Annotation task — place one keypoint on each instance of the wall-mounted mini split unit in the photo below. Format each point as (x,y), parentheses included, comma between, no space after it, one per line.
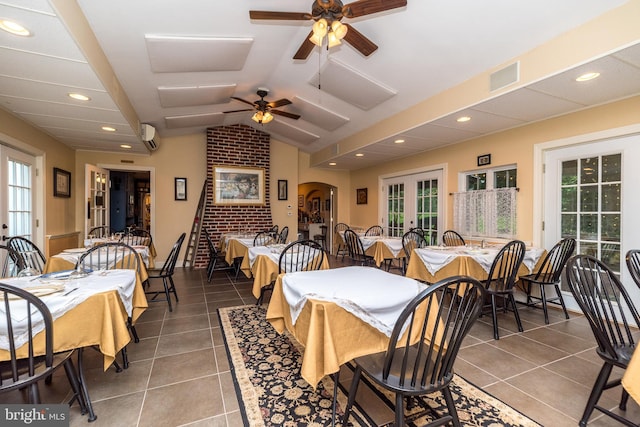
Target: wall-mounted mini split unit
(147,132)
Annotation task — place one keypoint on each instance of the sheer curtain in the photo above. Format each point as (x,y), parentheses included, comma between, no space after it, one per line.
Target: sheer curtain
(485,213)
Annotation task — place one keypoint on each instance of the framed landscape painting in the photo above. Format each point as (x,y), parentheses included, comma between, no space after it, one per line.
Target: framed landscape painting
(238,186)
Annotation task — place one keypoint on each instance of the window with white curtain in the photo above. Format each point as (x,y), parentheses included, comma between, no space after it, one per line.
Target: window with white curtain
(488,206)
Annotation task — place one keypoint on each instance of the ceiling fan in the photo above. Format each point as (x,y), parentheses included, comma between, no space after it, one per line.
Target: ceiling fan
(332,11)
(265,110)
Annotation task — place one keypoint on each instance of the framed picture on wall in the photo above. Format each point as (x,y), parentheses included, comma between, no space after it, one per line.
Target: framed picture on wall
(301,201)
(180,189)
(61,183)
(283,190)
(238,186)
(315,204)
(361,196)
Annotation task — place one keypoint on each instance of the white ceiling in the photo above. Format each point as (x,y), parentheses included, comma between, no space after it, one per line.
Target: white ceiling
(179,62)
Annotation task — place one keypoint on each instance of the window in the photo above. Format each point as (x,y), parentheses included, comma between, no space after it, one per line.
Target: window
(487,207)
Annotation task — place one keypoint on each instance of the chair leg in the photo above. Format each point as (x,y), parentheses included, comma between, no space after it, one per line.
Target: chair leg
(167,293)
(494,316)
(173,288)
(353,389)
(596,392)
(543,299)
(512,300)
(451,406)
(564,307)
(259,302)
(83,387)
(399,412)
(72,376)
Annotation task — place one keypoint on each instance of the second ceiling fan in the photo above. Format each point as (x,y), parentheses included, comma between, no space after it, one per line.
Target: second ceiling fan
(328,14)
(265,110)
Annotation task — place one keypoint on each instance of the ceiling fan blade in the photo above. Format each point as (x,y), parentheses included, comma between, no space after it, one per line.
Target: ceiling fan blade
(367,7)
(279,103)
(305,48)
(280,16)
(238,111)
(285,114)
(360,42)
(243,100)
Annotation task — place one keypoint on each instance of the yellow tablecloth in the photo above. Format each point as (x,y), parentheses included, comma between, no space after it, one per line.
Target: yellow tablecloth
(331,335)
(100,320)
(461,265)
(380,251)
(265,271)
(55,263)
(631,378)
(234,249)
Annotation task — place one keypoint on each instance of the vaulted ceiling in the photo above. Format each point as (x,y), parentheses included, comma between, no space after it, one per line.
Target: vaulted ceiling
(178,65)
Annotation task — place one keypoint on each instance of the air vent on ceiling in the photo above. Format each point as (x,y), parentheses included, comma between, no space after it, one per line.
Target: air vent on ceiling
(508,75)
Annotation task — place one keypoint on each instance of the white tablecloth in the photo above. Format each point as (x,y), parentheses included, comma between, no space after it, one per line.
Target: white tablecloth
(73,255)
(371,294)
(59,303)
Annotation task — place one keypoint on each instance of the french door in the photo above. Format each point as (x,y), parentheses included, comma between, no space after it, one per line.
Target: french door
(589,193)
(17,195)
(413,201)
(97,197)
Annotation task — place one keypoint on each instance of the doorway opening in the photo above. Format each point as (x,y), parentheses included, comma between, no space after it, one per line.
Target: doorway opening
(130,196)
(317,207)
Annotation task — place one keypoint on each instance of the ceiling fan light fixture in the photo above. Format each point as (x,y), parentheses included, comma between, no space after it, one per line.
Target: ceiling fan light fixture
(262,117)
(333,39)
(316,39)
(338,29)
(320,27)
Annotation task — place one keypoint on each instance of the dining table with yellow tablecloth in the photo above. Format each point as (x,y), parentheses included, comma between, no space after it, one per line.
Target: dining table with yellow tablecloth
(335,316)
(90,311)
(235,246)
(383,248)
(435,263)
(631,377)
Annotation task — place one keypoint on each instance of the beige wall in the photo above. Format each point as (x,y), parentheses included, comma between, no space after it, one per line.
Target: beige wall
(284,165)
(514,146)
(183,157)
(58,214)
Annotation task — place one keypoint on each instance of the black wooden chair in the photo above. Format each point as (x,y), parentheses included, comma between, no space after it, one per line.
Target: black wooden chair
(283,235)
(338,231)
(356,250)
(137,237)
(322,237)
(166,275)
(32,257)
(264,238)
(411,240)
(374,230)
(12,263)
(301,255)
(110,256)
(101,231)
(633,264)
(452,238)
(549,275)
(603,300)
(425,367)
(501,280)
(216,259)
(24,373)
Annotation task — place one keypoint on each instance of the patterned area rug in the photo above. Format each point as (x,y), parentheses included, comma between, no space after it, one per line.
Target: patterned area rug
(266,371)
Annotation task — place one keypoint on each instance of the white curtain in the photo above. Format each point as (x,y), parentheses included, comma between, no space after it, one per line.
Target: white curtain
(485,213)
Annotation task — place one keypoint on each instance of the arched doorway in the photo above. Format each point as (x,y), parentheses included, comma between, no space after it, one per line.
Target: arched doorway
(317,206)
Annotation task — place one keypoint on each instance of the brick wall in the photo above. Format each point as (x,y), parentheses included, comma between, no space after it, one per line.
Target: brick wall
(241,146)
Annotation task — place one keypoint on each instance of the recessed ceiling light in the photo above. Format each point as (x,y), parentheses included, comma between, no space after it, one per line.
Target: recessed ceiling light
(398,141)
(79,97)
(587,76)
(463,119)
(14,28)
(108,128)
(359,155)
(125,146)
(332,163)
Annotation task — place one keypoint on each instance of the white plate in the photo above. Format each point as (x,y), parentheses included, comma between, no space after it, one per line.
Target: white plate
(476,252)
(75,250)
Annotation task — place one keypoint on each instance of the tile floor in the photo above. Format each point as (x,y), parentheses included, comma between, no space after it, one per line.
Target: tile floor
(179,374)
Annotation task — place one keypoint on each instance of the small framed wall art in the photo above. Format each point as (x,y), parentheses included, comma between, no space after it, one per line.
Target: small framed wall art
(361,196)
(181,188)
(61,183)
